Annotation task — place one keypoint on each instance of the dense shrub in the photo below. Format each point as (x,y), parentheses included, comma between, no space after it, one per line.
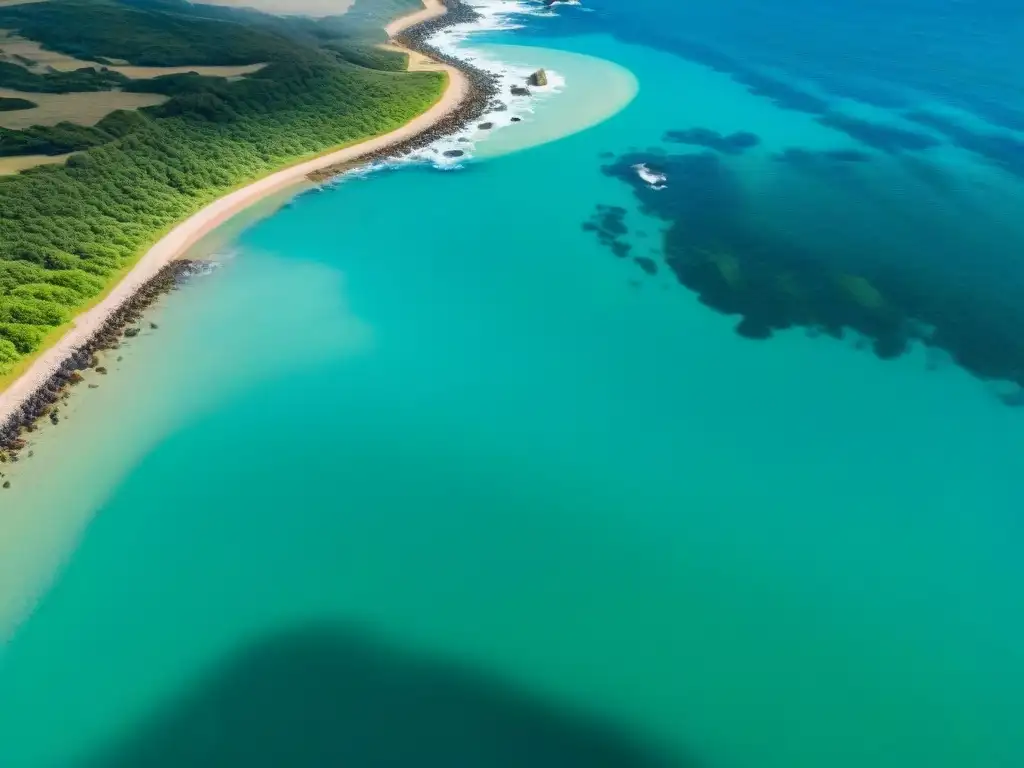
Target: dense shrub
(12,105)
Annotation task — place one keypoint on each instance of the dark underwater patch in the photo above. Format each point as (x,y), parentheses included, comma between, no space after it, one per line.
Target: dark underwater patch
(875,94)
(846,155)
(886,138)
(716,248)
(729,144)
(803,158)
(331,697)
(781,94)
(608,223)
(647,264)
(1003,150)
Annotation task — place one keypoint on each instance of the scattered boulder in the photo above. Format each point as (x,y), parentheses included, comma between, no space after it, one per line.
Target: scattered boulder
(517,119)
(454,153)
(538,79)
(518,90)
(154,326)
(485,126)
(7,483)
(101,370)
(131,332)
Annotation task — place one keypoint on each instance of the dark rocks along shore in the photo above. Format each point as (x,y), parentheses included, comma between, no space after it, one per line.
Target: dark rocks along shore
(44,401)
(483,91)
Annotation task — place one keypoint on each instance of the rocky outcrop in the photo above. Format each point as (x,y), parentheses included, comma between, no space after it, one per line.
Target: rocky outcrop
(519,90)
(483,90)
(538,79)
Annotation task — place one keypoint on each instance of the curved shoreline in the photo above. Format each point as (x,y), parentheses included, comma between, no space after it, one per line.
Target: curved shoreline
(27,397)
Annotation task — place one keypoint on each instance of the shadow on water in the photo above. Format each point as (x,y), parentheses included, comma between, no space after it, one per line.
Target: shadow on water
(330,696)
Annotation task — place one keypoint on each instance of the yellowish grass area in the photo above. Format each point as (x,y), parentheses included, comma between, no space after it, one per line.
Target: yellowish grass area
(415,61)
(19,50)
(79,108)
(16,49)
(139,73)
(290,7)
(12,165)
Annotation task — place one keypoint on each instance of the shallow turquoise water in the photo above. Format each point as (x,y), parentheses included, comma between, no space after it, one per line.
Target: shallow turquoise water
(428,409)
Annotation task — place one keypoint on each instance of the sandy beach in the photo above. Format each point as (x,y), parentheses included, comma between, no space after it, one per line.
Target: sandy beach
(177,242)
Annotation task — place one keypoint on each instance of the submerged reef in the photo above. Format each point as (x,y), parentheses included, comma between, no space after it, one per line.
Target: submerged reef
(609,226)
(718,246)
(801,157)
(729,144)
(886,138)
(1001,149)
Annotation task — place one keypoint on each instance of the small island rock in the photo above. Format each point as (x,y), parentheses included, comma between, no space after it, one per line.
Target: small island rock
(538,78)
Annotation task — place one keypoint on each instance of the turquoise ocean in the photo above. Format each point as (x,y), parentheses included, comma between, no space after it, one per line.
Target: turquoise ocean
(423,473)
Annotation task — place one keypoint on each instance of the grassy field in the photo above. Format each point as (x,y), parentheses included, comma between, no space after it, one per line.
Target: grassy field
(19,163)
(34,57)
(78,108)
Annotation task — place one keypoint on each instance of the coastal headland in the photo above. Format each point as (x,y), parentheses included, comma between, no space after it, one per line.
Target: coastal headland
(467,94)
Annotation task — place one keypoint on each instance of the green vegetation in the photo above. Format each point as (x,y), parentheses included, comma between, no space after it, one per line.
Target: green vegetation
(68,137)
(68,231)
(81,80)
(12,105)
(370,56)
(366,20)
(88,29)
(50,140)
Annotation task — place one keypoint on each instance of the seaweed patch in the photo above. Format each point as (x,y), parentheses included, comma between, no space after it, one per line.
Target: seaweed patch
(729,144)
(608,223)
(886,138)
(1003,150)
(717,246)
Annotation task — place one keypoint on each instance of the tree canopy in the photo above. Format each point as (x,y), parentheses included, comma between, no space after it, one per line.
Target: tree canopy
(67,231)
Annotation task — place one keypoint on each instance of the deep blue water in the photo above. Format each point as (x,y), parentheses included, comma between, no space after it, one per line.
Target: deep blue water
(966,51)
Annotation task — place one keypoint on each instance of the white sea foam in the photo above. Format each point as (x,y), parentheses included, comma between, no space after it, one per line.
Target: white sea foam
(456,41)
(652,179)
